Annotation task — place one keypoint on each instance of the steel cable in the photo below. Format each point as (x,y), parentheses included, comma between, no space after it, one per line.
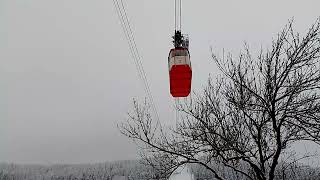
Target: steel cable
(125,23)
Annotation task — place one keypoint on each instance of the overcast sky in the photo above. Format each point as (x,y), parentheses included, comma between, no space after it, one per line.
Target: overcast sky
(67,77)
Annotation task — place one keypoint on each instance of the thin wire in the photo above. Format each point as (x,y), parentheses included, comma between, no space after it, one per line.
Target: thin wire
(175,15)
(140,66)
(125,23)
(176,104)
(180,14)
(144,76)
(120,15)
(128,37)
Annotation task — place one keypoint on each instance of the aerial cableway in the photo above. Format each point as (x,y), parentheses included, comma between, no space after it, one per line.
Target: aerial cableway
(179,64)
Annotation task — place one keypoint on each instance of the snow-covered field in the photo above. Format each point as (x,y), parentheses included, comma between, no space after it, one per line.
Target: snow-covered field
(120,170)
(182,173)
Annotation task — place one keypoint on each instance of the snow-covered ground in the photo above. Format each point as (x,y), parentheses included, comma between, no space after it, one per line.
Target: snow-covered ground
(182,173)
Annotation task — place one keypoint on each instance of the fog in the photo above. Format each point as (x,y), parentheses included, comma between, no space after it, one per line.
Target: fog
(67,77)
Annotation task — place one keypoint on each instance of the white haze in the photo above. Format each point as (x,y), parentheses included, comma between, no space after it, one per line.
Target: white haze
(67,77)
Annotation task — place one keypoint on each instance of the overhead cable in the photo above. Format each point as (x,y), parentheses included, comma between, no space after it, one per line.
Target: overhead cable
(125,23)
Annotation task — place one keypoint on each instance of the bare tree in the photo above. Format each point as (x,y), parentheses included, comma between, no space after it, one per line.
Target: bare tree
(247,119)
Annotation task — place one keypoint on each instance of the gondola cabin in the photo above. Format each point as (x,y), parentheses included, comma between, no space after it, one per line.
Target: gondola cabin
(180,72)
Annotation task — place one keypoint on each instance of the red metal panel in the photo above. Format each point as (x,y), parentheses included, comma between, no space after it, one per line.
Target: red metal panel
(180,80)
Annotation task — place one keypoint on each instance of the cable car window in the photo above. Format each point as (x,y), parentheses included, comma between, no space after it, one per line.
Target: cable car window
(172,54)
(181,53)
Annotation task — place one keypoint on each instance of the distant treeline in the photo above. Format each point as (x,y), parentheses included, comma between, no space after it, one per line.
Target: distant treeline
(130,170)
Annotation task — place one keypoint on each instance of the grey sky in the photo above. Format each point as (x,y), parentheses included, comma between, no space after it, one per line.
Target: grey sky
(67,78)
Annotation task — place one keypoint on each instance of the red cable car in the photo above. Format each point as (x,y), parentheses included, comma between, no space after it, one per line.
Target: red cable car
(179,63)
(180,72)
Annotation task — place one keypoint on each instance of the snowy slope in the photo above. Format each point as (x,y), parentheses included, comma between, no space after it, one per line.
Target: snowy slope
(182,173)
